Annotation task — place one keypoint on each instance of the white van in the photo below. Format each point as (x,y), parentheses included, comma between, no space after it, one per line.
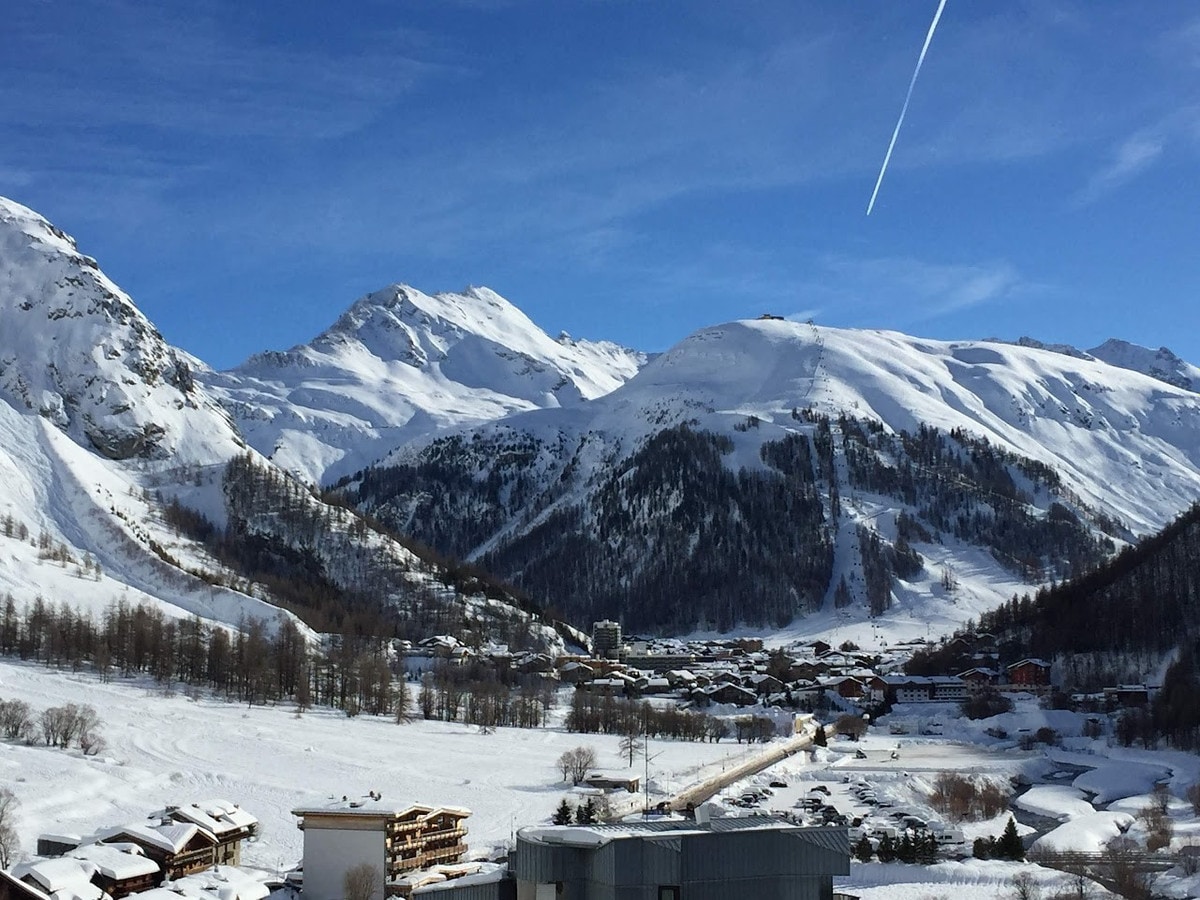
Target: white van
(944,834)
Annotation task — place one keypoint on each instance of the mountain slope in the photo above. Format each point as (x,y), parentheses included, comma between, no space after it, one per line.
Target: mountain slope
(886,442)
(119,468)
(1161,364)
(78,352)
(400,364)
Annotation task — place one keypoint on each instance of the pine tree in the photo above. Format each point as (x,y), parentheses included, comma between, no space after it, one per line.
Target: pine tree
(907,851)
(563,815)
(887,849)
(585,813)
(819,738)
(863,851)
(927,850)
(1009,846)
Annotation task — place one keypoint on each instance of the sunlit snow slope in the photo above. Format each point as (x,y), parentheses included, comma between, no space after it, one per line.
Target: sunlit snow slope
(97,413)
(576,483)
(102,425)
(1125,442)
(400,364)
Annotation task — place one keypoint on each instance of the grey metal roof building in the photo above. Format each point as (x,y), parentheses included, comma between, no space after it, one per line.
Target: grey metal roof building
(759,857)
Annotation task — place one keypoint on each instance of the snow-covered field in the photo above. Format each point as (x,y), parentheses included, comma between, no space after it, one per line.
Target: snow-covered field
(171,749)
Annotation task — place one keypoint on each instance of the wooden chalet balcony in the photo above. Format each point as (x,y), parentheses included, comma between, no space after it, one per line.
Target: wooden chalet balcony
(436,855)
(399,828)
(445,834)
(190,862)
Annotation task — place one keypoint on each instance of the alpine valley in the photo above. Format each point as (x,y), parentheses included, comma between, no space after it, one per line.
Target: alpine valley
(428,451)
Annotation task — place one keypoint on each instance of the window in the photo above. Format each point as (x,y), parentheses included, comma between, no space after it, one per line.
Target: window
(668,892)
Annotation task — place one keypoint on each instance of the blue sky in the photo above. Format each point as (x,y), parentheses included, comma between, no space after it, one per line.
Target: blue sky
(629,170)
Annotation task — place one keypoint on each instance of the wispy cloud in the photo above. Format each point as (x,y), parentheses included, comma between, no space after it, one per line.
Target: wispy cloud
(1128,160)
(186,70)
(903,290)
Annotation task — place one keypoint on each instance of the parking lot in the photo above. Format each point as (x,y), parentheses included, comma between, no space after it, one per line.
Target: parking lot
(875,787)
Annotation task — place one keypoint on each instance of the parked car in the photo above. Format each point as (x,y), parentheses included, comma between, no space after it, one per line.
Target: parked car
(780,784)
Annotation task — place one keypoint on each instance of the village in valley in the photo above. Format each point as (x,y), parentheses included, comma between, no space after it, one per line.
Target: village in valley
(791,762)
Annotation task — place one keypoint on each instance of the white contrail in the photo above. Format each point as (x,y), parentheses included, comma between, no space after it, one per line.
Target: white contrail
(917,71)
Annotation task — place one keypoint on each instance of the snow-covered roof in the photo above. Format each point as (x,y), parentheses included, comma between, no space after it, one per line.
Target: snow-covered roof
(20,888)
(436,875)
(486,873)
(216,816)
(113,862)
(169,838)
(221,883)
(375,806)
(65,876)
(599,835)
(61,837)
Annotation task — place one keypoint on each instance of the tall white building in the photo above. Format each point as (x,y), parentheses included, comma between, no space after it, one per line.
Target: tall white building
(606,639)
(392,838)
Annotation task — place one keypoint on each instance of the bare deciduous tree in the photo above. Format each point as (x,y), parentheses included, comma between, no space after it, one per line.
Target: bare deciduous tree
(362,882)
(631,745)
(1025,888)
(16,720)
(1193,797)
(1127,879)
(851,725)
(9,843)
(575,764)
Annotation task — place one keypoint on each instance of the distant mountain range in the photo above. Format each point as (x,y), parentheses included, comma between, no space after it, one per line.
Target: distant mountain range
(765,469)
(120,467)
(1161,364)
(756,472)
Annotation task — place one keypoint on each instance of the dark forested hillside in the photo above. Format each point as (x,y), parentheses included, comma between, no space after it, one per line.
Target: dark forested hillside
(674,535)
(1145,600)
(1119,623)
(674,539)
(342,573)
(944,477)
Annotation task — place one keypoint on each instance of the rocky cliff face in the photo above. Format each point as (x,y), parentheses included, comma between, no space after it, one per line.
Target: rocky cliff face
(76,350)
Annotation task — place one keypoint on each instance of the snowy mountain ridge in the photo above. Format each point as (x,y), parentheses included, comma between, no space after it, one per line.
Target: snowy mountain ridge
(104,427)
(1162,363)
(531,441)
(1066,440)
(78,352)
(400,363)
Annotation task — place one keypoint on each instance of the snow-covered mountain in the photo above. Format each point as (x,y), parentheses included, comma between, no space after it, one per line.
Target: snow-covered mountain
(77,351)
(104,433)
(757,471)
(878,428)
(1162,363)
(400,364)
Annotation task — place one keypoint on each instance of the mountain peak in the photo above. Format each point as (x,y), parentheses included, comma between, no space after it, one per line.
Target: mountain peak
(76,349)
(1162,363)
(400,363)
